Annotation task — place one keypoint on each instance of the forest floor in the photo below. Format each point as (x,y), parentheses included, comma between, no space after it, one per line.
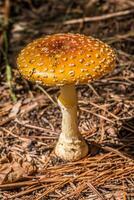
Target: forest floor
(30,120)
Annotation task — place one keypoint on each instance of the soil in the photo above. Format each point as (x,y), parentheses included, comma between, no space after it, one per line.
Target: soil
(30,119)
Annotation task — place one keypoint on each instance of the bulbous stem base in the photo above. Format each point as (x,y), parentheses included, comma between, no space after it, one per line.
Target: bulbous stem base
(71,150)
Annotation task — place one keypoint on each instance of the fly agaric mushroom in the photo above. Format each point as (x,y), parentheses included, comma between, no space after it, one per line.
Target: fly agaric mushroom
(66,60)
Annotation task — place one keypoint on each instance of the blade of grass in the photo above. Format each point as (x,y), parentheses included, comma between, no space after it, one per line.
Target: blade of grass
(8,68)
(4,44)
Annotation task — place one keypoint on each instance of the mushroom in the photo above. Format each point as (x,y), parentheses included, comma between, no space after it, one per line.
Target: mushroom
(67,60)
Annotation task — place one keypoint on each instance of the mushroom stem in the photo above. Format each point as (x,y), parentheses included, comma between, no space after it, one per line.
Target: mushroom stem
(71,146)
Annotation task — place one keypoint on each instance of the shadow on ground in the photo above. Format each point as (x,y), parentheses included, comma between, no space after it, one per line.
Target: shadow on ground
(126,137)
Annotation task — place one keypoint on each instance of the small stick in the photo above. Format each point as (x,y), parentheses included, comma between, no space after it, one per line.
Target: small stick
(51,189)
(14,135)
(46,93)
(34,127)
(98,115)
(99,18)
(95,190)
(26,192)
(92,88)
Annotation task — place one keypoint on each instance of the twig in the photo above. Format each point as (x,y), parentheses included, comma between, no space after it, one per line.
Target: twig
(25,192)
(75,192)
(102,131)
(95,190)
(17,185)
(34,127)
(100,107)
(98,115)
(116,151)
(115,38)
(99,18)
(92,88)
(46,93)
(51,189)
(14,135)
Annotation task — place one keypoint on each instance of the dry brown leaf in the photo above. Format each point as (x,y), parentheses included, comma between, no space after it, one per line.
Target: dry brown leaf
(12,172)
(15,109)
(5,169)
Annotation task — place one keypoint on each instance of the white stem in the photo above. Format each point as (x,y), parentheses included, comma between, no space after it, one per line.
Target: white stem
(71,145)
(68,104)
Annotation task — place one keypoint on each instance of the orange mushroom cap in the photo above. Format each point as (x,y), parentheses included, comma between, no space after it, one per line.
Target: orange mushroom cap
(61,59)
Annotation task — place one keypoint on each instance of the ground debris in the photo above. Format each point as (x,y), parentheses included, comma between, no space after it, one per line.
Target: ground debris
(15,170)
(30,127)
